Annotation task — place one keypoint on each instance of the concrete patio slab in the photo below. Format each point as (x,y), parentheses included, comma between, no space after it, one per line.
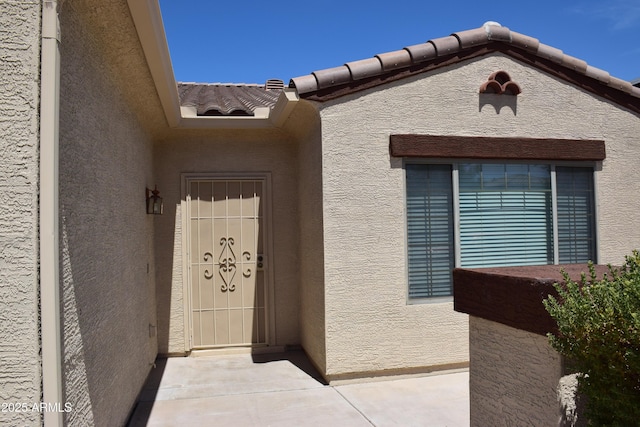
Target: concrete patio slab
(434,400)
(196,377)
(284,389)
(312,407)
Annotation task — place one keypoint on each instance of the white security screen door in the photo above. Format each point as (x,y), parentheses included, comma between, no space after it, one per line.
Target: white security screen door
(227,262)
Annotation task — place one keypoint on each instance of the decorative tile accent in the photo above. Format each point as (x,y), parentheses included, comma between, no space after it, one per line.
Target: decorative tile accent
(500,83)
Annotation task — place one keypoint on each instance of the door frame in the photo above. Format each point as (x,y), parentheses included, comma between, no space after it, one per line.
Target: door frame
(186,179)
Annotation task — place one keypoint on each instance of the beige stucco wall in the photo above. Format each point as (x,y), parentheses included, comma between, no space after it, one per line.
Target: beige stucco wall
(20,377)
(370,326)
(312,307)
(514,377)
(106,237)
(231,152)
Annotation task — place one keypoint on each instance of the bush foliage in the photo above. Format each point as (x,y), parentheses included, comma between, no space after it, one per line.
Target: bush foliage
(599,334)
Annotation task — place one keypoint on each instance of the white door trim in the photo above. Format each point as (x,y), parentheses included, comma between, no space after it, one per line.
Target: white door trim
(186,179)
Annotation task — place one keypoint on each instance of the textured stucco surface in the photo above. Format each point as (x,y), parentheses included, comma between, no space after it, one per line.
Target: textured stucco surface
(312,307)
(106,237)
(369,324)
(514,376)
(227,152)
(20,376)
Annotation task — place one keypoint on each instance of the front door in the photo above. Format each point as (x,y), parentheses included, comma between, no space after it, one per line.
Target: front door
(227,262)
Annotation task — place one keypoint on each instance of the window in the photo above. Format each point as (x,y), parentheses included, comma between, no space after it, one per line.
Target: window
(430,225)
(494,214)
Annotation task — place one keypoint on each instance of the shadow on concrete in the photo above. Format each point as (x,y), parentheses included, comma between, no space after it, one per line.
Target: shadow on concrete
(154,389)
(142,409)
(297,358)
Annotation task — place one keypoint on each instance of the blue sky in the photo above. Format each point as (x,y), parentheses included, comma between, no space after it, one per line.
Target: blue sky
(252,41)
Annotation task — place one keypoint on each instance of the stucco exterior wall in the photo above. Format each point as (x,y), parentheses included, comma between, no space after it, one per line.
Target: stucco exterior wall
(107,259)
(370,326)
(20,375)
(230,152)
(514,377)
(312,307)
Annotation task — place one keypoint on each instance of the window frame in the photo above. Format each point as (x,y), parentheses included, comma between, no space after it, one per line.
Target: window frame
(596,167)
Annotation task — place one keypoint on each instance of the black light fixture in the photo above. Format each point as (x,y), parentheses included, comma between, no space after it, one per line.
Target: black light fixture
(154,202)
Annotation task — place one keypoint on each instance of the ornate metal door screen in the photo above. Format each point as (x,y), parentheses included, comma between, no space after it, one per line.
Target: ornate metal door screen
(227,264)
(228,281)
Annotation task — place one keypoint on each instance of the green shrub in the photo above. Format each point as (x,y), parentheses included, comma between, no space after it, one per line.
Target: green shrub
(599,334)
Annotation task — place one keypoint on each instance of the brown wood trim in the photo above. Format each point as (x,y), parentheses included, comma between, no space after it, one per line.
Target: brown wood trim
(480,147)
(513,296)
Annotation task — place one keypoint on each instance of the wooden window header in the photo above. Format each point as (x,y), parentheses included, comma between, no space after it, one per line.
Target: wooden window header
(480,147)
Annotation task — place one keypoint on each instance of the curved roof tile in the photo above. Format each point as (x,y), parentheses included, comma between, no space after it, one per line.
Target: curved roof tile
(496,32)
(525,42)
(364,68)
(332,77)
(395,59)
(550,52)
(473,37)
(226,99)
(421,52)
(446,45)
(420,55)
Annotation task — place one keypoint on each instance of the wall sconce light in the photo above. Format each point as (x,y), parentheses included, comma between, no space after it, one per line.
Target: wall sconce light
(154,202)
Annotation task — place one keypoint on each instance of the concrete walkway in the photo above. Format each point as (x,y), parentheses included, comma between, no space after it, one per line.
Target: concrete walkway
(284,390)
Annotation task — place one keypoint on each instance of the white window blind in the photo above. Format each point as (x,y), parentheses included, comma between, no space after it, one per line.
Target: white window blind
(576,218)
(429,230)
(506,215)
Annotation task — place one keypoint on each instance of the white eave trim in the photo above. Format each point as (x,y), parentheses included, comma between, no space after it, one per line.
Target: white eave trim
(148,21)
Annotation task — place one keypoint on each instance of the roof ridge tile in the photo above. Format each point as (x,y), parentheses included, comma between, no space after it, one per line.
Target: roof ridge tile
(394,60)
(439,47)
(474,37)
(598,74)
(550,52)
(364,68)
(305,84)
(498,33)
(332,76)
(574,63)
(620,84)
(421,52)
(525,42)
(446,45)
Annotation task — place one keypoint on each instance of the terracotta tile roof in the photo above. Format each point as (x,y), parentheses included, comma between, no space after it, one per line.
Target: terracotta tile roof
(228,99)
(358,75)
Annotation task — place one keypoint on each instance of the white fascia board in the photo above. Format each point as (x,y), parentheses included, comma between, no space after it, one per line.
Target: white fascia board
(191,120)
(147,18)
(217,122)
(284,106)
